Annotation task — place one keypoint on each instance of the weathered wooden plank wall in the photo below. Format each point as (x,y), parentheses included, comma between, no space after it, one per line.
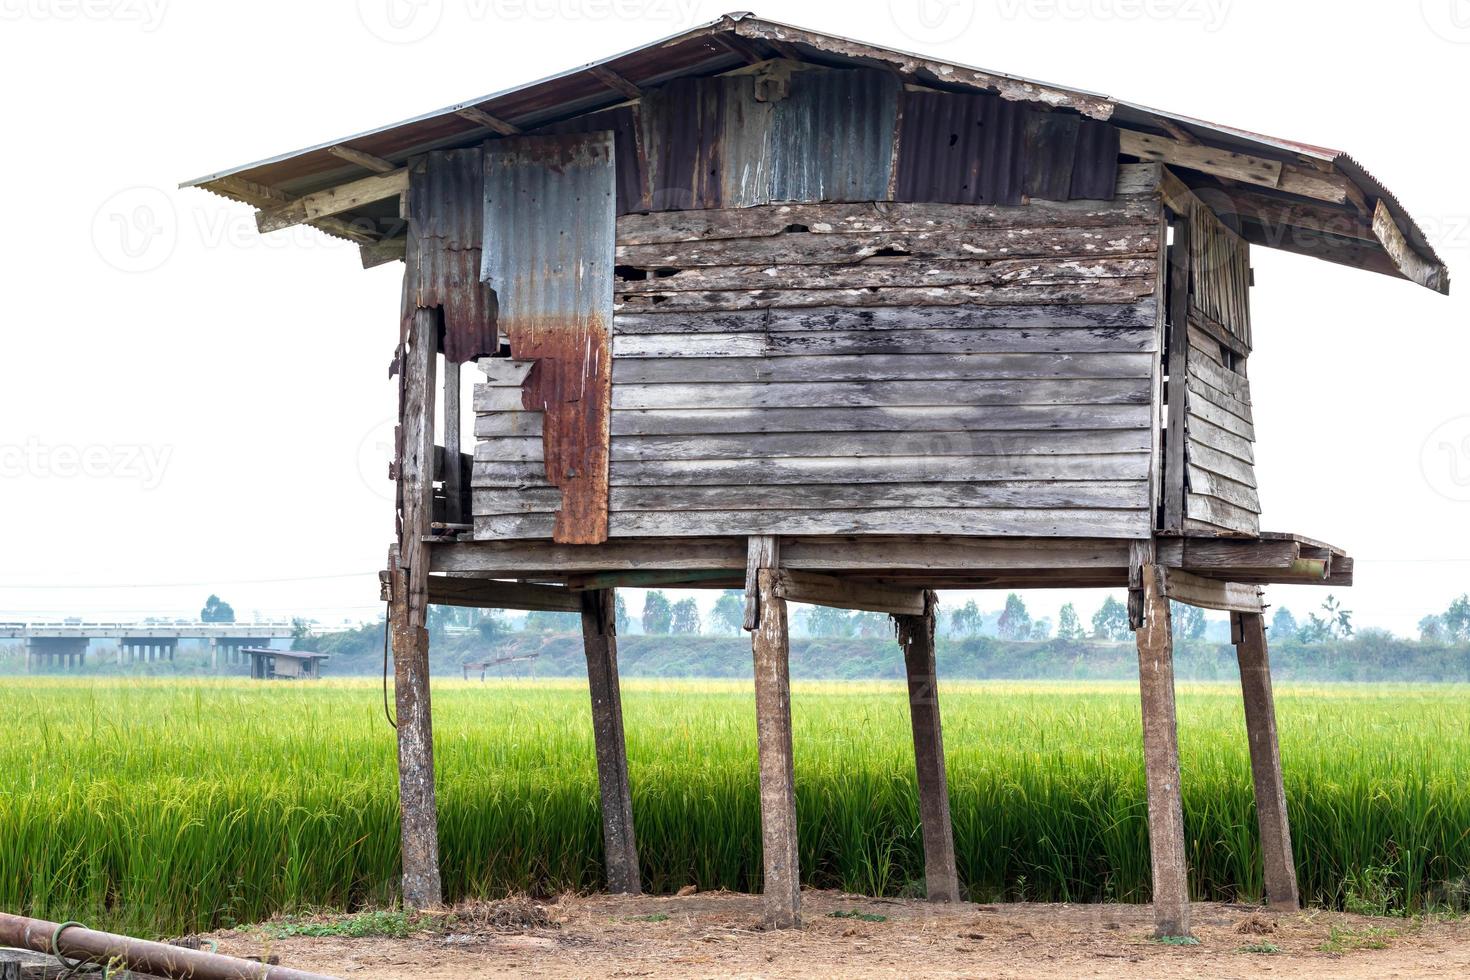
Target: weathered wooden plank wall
(1001,411)
(1220,483)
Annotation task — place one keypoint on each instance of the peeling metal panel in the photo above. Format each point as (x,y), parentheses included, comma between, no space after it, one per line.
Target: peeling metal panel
(627,130)
(549,219)
(445,203)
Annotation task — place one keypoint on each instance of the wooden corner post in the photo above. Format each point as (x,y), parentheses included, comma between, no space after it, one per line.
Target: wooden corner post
(766,617)
(1249,631)
(916,636)
(599,641)
(1170,863)
(409,609)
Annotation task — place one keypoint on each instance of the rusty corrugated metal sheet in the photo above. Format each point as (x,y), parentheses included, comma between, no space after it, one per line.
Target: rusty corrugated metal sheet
(550,221)
(966,148)
(827,135)
(832,137)
(624,123)
(445,202)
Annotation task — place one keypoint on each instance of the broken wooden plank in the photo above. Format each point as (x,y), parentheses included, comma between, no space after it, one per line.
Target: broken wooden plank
(483,593)
(1208,593)
(367,161)
(1206,159)
(1410,263)
(483,118)
(333,200)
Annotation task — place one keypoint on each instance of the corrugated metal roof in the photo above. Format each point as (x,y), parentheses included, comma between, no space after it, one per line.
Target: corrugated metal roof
(702,52)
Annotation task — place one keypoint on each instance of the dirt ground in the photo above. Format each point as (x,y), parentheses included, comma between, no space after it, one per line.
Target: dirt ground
(717,934)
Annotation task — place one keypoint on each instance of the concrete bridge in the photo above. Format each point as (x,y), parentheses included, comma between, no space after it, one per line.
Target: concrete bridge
(63,646)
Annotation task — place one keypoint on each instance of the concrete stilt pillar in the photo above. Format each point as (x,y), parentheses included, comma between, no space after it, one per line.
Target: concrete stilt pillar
(916,636)
(771,650)
(1260,724)
(600,644)
(1161,761)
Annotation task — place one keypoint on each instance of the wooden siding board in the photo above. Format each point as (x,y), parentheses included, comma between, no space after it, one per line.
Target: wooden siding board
(986,415)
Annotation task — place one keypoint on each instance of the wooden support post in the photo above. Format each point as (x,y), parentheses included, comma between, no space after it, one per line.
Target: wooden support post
(409,611)
(1161,760)
(916,636)
(1260,727)
(454,489)
(600,643)
(771,647)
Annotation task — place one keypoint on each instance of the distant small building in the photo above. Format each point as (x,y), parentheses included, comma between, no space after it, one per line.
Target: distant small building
(268,665)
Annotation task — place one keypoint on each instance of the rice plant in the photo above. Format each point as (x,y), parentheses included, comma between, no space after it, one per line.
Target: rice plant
(161,807)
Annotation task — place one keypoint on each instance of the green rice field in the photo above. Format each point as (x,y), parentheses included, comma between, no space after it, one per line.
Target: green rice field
(162,807)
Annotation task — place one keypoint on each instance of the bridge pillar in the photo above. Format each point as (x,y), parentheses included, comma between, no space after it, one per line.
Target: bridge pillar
(55,653)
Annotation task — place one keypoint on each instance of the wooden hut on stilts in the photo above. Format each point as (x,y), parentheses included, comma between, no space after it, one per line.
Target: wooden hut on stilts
(759,307)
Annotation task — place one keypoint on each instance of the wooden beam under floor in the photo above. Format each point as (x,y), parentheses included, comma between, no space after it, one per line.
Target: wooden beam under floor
(600,643)
(1168,857)
(1249,633)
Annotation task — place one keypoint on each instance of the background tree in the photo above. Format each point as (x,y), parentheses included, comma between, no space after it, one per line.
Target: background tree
(490,625)
(1041,629)
(1431,629)
(546,621)
(872,624)
(966,620)
(1335,623)
(1069,627)
(1457,620)
(622,622)
(1284,625)
(1110,622)
(216,610)
(824,621)
(1188,621)
(1015,621)
(684,619)
(301,635)
(728,615)
(658,615)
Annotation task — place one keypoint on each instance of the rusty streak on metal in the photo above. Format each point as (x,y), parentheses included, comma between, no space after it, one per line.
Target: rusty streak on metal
(550,204)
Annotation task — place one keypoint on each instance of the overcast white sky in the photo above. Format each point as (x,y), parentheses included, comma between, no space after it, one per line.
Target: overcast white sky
(190,408)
